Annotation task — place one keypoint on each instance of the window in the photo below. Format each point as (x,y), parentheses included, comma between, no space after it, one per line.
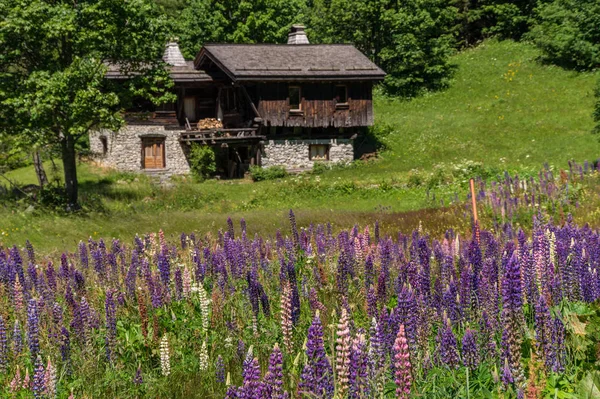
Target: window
(341,94)
(319,152)
(104,142)
(295,97)
(153,153)
(341,97)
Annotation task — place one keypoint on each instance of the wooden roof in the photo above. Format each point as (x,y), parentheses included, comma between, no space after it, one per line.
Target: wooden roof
(179,73)
(261,62)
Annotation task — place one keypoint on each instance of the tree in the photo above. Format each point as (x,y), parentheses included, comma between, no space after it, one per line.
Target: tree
(52,70)
(235,21)
(568,33)
(411,40)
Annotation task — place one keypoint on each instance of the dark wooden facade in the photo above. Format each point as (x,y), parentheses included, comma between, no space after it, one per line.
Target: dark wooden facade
(319,108)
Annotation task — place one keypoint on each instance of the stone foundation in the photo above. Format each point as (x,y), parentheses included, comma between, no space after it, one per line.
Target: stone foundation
(295,154)
(124,149)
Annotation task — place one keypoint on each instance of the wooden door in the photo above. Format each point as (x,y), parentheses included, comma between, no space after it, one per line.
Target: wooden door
(153,152)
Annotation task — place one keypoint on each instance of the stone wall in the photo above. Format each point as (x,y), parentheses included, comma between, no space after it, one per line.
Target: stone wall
(294,154)
(124,148)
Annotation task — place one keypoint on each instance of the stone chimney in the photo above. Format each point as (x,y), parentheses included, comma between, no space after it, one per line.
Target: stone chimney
(297,35)
(173,56)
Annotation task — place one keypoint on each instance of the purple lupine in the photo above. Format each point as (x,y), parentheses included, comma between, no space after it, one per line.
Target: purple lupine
(543,333)
(164,266)
(30,252)
(3,346)
(372,310)
(39,386)
(274,376)
(317,376)
(130,278)
(178,284)
(17,339)
(83,255)
(33,320)
(448,349)
(65,349)
(294,228)
(402,366)
(251,387)
(376,351)
(51,277)
(558,342)
(84,322)
(220,369)
(470,353)
(111,326)
(359,369)
(507,375)
(512,316)
(138,379)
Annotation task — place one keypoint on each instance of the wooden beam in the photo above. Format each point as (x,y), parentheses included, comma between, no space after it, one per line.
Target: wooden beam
(250,101)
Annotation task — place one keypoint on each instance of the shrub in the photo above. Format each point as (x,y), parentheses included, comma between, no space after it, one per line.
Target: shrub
(258,173)
(567,32)
(202,161)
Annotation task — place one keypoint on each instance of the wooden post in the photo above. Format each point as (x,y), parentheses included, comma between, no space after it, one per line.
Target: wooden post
(474,205)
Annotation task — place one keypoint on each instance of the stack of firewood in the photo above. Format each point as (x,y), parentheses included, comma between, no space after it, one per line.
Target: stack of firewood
(209,123)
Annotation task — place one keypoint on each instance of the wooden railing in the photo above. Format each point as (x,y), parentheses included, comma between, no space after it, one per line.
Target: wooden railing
(221,134)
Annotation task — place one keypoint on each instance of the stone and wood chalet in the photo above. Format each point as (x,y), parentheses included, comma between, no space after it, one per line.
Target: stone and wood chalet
(256,104)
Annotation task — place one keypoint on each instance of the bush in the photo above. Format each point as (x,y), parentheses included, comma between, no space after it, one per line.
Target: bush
(258,173)
(567,32)
(202,161)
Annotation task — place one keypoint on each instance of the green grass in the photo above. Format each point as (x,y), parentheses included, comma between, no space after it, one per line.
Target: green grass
(504,111)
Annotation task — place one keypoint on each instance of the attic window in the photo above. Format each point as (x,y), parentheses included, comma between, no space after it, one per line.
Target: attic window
(341,95)
(295,98)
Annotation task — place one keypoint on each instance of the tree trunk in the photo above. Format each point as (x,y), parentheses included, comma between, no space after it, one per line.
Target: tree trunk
(70,167)
(39,169)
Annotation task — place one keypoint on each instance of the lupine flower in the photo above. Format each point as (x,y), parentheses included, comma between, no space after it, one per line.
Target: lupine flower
(111,326)
(138,379)
(178,284)
(294,228)
(39,386)
(204,306)
(402,365)
(85,322)
(359,373)
(512,316)
(65,349)
(3,346)
(50,381)
(187,282)
(33,329)
(165,361)
(342,351)
(15,383)
(317,375)
(274,376)
(27,380)
(447,346)
(377,354)
(286,317)
(469,350)
(203,357)
(543,333)
(507,375)
(251,387)
(18,296)
(220,370)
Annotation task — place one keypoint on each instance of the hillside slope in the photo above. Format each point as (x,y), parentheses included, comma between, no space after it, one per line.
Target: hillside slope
(504,109)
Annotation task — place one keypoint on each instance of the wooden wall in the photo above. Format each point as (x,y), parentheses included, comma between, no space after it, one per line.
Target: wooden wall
(318,105)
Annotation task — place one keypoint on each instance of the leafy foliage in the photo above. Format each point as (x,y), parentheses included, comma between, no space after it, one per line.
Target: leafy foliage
(202,161)
(53,65)
(271,173)
(567,32)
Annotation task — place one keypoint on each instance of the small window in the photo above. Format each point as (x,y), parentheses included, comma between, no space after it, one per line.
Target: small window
(104,142)
(295,95)
(341,94)
(319,152)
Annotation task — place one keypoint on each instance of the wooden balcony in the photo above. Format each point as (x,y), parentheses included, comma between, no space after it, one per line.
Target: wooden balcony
(221,135)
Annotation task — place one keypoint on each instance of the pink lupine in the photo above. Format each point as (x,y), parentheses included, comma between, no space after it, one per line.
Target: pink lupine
(286,316)
(342,355)
(15,383)
(187,282)
(402,364)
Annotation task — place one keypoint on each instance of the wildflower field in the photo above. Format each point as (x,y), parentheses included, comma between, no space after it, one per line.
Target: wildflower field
(306,313)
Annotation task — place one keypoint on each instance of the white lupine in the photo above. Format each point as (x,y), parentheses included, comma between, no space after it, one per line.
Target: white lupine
(165,361)
(50,380)
(203,357)
(204,306)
